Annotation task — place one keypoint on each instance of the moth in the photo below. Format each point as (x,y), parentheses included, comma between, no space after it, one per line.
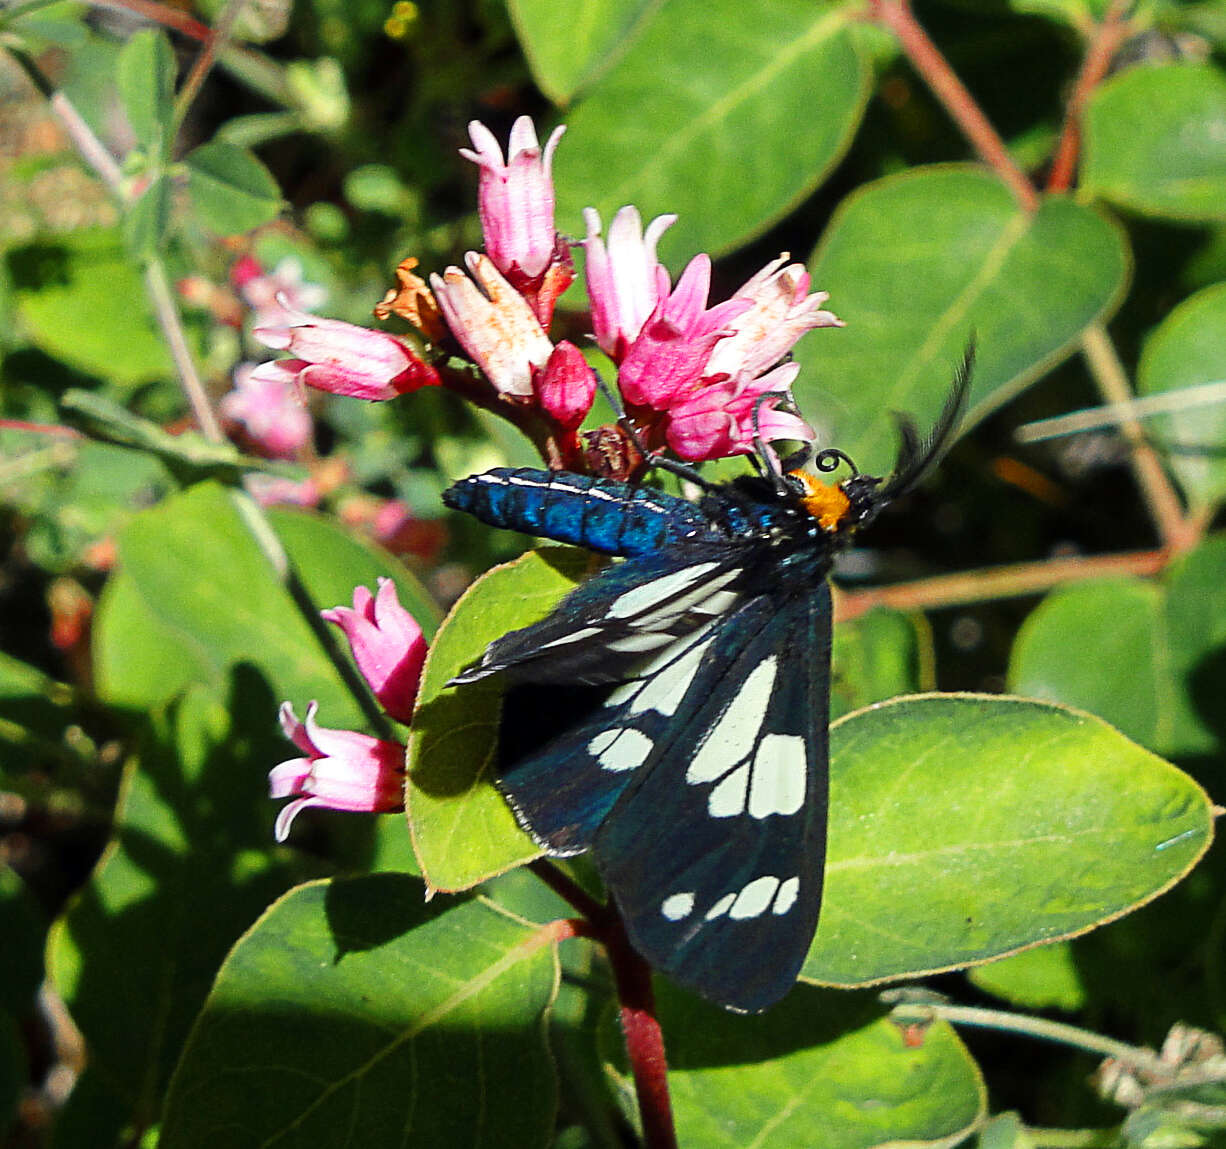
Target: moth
(670,715)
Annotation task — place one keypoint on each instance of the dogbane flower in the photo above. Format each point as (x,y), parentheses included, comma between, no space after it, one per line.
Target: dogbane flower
(387,645)
(782,311)
(341,770)
(340,357)
(268,410)
(670,353)
(493,323)
(515,198)
(717,420)
(566,386)
(622,274)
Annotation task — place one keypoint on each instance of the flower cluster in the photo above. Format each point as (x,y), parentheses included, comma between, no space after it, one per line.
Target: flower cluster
(342,769)
(704,381)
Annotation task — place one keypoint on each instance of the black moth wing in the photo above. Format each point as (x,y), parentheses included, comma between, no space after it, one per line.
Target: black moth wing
(715,850)
(608,625)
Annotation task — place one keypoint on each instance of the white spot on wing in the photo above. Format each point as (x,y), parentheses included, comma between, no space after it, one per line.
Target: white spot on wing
(754,898)
(732,737)
(677,906)
(640,643)
(574,636)
(720,908)
(778,785)
(620,748)
(658,590)
(785,899)
(728,798)
(697,600)
(667,687)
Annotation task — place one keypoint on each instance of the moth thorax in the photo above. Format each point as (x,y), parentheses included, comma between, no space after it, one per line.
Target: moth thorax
(826,502)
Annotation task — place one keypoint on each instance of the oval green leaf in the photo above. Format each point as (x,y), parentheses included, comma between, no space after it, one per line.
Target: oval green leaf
(145,76)
(772,91)
(1154,141)
(821,1068)
(1186,350)
(230,189)
(918,263)
(1045,977)
(354,1013)
(963,828)
(597,33)
(463,830)
(877,656)
(191,865)
(1168,635)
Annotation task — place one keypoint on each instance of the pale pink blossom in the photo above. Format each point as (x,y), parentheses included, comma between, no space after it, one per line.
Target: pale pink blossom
(623,283)
(493,323)
(515,198)
(269,411)
(342,358)
(670,353)
(782,312)
(278,491)
(717,420)
(270,293)
(387,645)
(341,770)
(566,386)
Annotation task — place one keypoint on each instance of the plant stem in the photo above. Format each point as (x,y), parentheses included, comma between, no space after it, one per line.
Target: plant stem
(998,582)
(1039,1028)
(219,34)
(1177,533)
(926,59)
(1105,42)
(162,14)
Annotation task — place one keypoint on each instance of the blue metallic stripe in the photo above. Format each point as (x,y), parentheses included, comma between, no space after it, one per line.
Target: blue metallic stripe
(600,514)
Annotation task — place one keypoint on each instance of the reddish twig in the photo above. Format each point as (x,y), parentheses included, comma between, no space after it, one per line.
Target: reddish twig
(162,14)
(636,1001)
(1001,582)
(1105,42)
(926,58)
(218,35)
(56,430)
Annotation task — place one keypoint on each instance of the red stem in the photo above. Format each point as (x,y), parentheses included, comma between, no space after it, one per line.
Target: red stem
(636,1001)
(1107,38)
(925,57)
(162,14)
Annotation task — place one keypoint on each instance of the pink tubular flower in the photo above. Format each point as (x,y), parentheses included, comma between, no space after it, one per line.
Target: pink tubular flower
(493,324)
(670,354)
(515,198)
(717,420)
(566,386)
(780,314)
(270,293)
(269,410)
(342,770)
(387,645)
(623,284)
(343,358)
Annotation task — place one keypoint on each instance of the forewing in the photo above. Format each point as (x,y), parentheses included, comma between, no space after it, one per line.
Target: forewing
(634,609)
(714,852)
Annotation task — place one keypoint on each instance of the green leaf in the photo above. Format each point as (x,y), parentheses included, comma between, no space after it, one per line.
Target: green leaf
(189,868)
(877,656)
(146,79)
(355,1013)
(772,91)
(1185,350)
(35,711)
(822,1069)
(598,32)
(918,263)
(21,957)
(230,189)
(964,827)
(1168,633)
(1042,978)
(463,830)
(1005,1131)
(194,596)
(1154,141)
(65,290)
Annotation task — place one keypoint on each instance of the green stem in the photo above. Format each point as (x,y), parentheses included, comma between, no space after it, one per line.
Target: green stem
(1039,1028)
